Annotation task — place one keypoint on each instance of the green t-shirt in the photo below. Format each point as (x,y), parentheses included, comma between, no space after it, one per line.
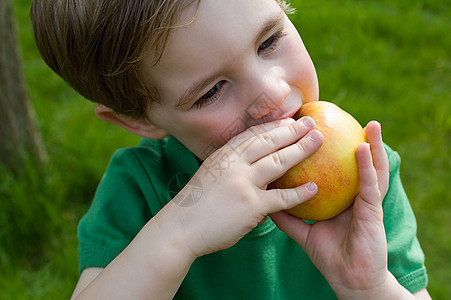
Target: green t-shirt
(265,264)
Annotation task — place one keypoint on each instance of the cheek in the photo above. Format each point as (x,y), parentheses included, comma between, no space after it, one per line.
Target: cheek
(212,132)
(307,82)
(300,68)
(204,131)
(218,128)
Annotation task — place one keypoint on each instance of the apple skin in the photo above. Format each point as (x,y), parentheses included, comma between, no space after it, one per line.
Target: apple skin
(333,167)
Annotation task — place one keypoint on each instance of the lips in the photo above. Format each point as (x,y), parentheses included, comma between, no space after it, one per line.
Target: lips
(274,115)
(290,114)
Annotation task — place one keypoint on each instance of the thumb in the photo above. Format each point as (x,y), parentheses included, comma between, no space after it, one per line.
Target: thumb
(294,227)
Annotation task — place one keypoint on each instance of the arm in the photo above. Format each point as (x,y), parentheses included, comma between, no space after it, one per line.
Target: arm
(422,294)
(158,259)
(88,275)
(356,268)
(140,270)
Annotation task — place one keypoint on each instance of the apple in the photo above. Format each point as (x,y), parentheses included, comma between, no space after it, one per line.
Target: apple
(333,167)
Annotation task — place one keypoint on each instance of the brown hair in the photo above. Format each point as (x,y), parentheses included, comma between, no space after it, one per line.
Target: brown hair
(97,46)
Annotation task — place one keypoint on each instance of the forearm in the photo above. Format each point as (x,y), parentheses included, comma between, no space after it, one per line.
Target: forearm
(390,289)
(153,265)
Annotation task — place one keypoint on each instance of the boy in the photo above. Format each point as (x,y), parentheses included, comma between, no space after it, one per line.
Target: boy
(223,78)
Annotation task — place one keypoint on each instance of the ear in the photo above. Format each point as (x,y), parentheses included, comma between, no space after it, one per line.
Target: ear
(139,127)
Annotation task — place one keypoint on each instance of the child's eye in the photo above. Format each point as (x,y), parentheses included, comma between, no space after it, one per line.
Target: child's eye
(210,96)
(272,41)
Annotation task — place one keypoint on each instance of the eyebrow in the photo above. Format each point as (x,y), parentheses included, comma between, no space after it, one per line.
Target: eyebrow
(199,85)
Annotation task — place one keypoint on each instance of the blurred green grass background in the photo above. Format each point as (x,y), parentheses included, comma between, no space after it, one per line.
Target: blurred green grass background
(384,60)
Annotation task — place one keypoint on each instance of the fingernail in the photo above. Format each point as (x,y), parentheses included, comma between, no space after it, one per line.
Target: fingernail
(315,135)
(311,186)
(308,122)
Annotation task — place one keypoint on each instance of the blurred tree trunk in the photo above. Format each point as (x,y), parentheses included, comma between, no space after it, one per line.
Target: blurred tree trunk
(19,136)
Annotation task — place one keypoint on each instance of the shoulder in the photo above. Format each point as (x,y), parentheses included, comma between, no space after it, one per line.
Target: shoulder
(396,195)
(151,155)
(133,189)
(148,172)
(394,160)
(405,256)
(150,150)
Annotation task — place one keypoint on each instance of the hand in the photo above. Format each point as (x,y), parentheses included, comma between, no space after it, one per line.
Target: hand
(350,249)
(233,197)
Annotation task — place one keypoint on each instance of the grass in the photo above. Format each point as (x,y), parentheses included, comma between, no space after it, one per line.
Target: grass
(380,60)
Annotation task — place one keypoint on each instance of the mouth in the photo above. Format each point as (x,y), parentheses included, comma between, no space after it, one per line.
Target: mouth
(289,114)
(274,116)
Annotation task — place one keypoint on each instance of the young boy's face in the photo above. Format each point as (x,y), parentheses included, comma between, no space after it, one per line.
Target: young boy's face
(232,65)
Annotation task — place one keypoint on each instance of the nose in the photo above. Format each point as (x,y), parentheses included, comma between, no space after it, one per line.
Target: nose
(268,93)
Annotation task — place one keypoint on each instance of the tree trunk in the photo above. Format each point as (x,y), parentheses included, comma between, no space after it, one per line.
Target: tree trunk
(19,136)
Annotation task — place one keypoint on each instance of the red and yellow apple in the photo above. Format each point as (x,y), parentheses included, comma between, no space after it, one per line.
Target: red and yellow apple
(333,167)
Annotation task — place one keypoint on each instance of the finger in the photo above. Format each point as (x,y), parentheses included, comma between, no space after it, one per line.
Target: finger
(282,199)
(379,155)
(274,165)
(236,141)
(369,188)
(269,141)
